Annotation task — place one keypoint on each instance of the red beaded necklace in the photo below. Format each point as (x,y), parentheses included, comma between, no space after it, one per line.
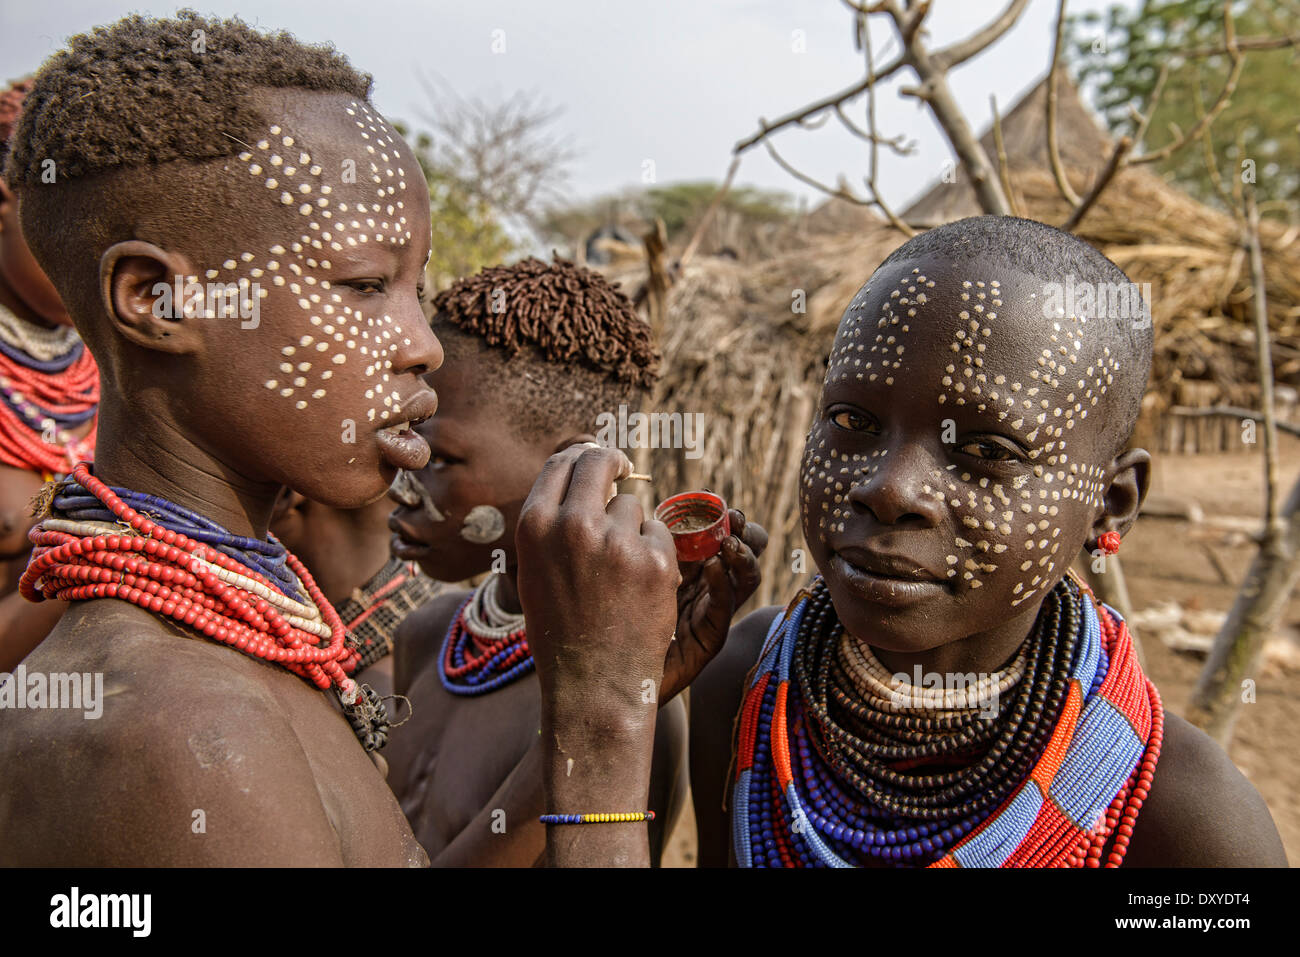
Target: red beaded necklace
(45,395)
(168,573)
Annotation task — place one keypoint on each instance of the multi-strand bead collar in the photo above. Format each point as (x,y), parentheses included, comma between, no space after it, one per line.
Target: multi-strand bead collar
(223,586)
(1036,765)
(373,612)
(49,387)
(486,647)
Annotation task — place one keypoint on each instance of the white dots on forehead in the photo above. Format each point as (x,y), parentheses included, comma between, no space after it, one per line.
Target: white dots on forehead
(297,182)
(1040,400)
(870,348)
(386,174)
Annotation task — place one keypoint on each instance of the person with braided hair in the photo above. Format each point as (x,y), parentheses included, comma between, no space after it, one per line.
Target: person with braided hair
(943,693)
(535,353)
(49,393)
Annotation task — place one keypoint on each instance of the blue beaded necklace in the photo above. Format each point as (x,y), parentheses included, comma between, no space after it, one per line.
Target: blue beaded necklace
(267,557)
(57,364)
(505,657)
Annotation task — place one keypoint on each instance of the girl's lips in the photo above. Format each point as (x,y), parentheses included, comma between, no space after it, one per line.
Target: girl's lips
(883,590)
(403,448)
(404,548)
(401,530)
(399,444)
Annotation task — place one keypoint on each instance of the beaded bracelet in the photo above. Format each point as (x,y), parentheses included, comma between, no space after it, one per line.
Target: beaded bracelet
(598,818)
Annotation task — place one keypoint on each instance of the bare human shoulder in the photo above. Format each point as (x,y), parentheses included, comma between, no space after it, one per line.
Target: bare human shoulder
(200,757)
(1202,812)
(715,700)
(419,637)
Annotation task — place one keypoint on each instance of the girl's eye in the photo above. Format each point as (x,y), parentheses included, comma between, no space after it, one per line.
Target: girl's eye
(990,451)
(368,285)
(852,421)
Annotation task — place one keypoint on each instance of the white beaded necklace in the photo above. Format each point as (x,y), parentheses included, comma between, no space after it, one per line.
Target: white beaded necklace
(485,618)
(37,341)
(891,693)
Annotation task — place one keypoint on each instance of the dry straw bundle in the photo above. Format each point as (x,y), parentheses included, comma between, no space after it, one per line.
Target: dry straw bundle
(1195,260)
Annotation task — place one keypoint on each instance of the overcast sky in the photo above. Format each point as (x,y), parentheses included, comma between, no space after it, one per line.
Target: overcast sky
(676,82)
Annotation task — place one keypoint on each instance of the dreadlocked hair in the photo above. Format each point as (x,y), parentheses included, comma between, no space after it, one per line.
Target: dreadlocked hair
(565,312)
(144,91)
(558,342)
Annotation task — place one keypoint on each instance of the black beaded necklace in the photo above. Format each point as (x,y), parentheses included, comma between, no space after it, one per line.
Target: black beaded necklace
(885,756)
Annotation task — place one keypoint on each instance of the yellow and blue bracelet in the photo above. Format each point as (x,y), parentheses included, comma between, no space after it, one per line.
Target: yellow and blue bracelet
(628,818)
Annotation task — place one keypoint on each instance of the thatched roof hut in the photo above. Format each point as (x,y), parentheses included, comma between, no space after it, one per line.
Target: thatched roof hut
(746,343)
(1083,146)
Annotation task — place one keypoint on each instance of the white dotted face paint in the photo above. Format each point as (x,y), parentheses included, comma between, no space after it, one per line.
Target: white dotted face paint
(298,183)
(994,496)
(483,525)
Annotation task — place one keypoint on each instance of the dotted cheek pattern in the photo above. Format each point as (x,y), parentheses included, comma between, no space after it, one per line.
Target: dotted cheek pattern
(332,334)
(867,350)
(1011,524)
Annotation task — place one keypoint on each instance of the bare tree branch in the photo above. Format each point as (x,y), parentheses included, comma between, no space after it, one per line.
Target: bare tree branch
(871,129)
(879,7)
(501,154)
(1053,152)
(1207,151)
(896,143)
(932,71)
(1004,171)
(1113,166)
(963,50)
(841,192)
(812,122)
(1121,156)
(1246,43)
(1157,92)
(1263,356)
(931,68)
(798,116)
(1229,87)
(908,29)
(1254,616)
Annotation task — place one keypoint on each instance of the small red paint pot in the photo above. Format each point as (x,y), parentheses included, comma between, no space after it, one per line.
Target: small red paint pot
(698,522)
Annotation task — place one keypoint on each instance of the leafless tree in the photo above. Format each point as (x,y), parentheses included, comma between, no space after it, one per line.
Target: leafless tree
(504,153)
(931,69)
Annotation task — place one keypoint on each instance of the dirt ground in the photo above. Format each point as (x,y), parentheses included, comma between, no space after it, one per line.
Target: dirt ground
(1173,559)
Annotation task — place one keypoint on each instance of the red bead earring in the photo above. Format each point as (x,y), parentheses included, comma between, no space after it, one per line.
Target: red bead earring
(1108,542)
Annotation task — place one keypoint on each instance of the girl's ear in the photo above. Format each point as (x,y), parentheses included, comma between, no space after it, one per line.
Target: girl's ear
(1130,479)
(140,285)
